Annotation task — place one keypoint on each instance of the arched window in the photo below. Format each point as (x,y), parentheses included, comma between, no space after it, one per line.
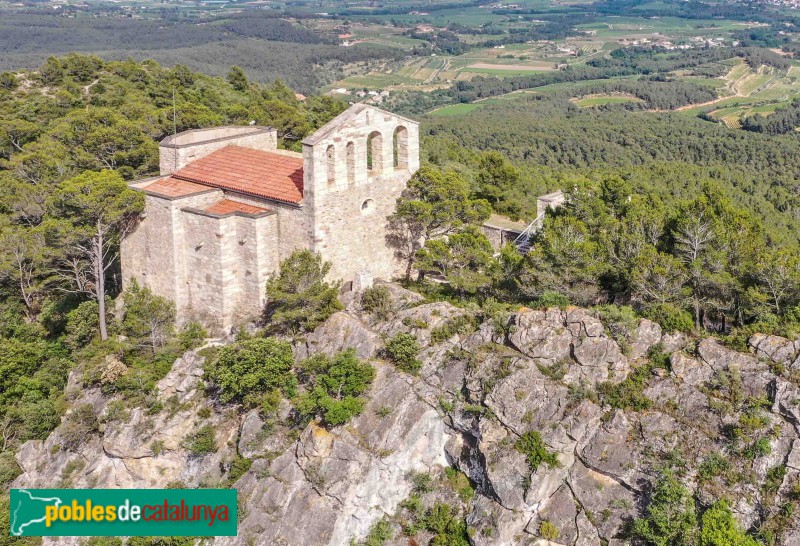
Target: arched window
(350,156)
(375,152)
(330,161)
(400,145)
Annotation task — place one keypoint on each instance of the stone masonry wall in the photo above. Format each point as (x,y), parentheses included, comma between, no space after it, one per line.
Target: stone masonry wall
(172,158)
(207,283)
(216,268)
(153,252)
(257,258)
(348,209)
(291,227)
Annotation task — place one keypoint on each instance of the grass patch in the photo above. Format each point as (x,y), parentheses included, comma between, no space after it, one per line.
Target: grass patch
(455,110)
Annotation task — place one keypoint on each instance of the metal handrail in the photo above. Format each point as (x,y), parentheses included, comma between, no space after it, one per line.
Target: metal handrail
(523,237)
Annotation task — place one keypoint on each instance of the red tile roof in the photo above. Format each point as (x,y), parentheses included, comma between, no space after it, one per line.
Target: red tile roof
(226,206)
(254,172)
(174,187)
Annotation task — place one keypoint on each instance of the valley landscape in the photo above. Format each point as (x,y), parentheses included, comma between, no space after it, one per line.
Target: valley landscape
(620,368)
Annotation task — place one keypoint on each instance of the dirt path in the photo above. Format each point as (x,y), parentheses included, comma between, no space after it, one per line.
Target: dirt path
(702,104)
(445,66)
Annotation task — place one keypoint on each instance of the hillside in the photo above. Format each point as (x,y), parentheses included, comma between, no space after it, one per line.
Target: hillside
(557,143)
(535,426)
(266,46)
(625,376)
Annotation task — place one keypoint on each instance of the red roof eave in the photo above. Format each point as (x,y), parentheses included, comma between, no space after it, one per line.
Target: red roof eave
(239,190)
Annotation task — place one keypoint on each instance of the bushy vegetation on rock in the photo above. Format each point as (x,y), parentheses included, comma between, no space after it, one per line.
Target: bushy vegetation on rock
(531,445)
(402,349)
(377,300)
(202,441)
(247,370)
(334,386)
(671,518)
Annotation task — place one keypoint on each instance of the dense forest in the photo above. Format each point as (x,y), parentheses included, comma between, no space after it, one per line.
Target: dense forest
(211,45)
(550,138)
(781,122)
(698,263)
(71,133)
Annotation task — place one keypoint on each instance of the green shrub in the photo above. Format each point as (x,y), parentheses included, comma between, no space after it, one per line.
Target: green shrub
(334,386)
(377,300)
(298,298)
(760,448)
(555,371)
(550,298)
(239,467)
(157,447)
(415,323)
(531,445)
(460,483)
(462,325)
(36,418)
(670,318)
(719,528)
(548,531)
(448,529)
(8,81)
(670,516)
(116,411)
(714,465)
(78,425)
(380,532)
(629,394)
(202,441)
(774,479)
(620,320)
(246,370)
(9,469)
(658,357)
(148,317)
(83,324)
(192,336)
(422,482)
(402,350)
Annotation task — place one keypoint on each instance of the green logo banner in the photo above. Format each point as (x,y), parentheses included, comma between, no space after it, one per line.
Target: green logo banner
(123,512)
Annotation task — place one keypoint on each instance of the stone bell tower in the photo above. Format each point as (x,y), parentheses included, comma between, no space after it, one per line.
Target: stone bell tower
(355,168)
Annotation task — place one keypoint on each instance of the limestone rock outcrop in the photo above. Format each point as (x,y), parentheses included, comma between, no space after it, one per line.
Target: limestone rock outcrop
(457,424)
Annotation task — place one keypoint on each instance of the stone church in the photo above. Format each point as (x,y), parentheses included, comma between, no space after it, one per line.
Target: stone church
(228,206)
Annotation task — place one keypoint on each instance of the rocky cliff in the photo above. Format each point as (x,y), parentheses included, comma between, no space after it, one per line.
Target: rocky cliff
(614,409)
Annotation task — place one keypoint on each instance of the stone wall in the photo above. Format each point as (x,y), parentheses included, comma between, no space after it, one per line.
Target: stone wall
(177,151)
(153,252)
(291,226)
(215,267)
(347,202)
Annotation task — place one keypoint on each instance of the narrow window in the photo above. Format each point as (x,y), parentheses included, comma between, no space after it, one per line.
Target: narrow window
(400,143)
(374,152)
(330,157)
(350,153)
